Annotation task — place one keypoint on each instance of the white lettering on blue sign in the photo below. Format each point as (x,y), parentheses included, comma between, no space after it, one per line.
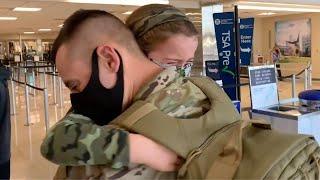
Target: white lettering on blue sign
(226,38)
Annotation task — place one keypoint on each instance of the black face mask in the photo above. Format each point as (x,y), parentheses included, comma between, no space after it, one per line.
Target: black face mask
(100,104)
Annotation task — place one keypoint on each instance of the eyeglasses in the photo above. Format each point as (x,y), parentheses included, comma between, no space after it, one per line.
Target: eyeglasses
(173,62)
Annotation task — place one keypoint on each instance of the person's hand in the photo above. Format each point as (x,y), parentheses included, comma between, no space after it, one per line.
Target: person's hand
(145,151)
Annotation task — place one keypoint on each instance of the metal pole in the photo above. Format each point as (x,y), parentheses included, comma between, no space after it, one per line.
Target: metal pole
(60,92)
(54,89)
(13,97)
(27,123)
(34,82)
(20,41)
(46,109)
(237,41)
(44,80)
(305,79)
(30,143)
(293,86)
(310,76)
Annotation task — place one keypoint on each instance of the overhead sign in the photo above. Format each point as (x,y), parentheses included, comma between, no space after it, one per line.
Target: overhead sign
(224,28)
(246,38)
(263,86)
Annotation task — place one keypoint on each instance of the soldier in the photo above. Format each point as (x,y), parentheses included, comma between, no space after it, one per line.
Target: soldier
(99,40)
(165,35)
(5,125)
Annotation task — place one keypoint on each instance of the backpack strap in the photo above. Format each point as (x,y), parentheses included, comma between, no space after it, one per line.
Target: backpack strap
(135,112)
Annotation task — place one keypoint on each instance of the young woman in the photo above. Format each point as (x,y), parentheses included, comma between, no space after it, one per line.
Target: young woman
(165,35)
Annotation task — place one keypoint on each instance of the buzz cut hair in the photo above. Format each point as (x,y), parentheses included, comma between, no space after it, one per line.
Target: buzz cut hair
(110,25)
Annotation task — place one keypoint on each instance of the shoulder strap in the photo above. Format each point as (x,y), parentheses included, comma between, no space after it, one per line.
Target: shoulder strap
(135,112)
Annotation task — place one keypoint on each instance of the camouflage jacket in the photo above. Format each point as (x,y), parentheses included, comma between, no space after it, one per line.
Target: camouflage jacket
(77,141)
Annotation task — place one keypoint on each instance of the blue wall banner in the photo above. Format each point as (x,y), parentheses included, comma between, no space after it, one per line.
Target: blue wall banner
(246,38)
(224,28)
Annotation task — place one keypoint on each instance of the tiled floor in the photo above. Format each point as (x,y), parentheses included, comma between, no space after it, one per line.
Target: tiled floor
(26,161)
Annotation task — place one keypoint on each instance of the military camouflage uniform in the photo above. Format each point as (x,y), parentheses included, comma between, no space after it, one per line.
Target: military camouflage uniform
(77,141)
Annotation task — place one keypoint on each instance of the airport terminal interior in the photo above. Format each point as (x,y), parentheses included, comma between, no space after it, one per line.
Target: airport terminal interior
(278,91)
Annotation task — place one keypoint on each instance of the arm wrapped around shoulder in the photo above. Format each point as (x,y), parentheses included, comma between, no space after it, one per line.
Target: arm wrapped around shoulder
(76,140)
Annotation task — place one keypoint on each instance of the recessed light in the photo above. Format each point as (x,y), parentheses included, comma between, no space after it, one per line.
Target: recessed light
(267,14)
(60,26)
(28,32)
(8,18)
(193,14)
(44,30)
(127,13)
(26,9)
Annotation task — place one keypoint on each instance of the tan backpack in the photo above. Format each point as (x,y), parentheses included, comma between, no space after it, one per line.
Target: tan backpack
(219,145)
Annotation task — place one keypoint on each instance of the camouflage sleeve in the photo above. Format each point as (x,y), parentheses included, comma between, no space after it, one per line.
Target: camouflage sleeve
(76,140)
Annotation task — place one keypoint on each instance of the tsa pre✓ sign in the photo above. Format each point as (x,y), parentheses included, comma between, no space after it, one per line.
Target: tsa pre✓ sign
(224,25)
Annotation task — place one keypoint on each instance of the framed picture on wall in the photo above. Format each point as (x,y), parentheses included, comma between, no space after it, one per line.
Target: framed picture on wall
(294,40)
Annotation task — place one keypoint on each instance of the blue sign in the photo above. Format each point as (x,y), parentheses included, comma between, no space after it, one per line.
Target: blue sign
(212,70)
(246,38)
(224,28)
(237,105)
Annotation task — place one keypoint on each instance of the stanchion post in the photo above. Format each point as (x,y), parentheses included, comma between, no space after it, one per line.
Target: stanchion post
(46,108)
(34,82)
(293,86)
(54,88)
(305,79)
(310,76)
(60,92)
(44,80)
(27,123)
(13,97)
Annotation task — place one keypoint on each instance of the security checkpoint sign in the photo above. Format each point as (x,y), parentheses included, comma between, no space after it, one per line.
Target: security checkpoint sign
(246,40)
(224,28)
(263,86)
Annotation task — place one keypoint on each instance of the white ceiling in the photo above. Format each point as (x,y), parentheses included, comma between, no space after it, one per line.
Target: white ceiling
(54,12)
(304,2)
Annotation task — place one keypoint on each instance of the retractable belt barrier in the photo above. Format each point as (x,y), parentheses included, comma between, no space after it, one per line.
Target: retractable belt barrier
(15,79)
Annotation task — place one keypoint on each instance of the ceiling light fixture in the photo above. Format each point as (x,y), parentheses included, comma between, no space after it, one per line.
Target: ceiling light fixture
(8,18)
(121,2)
(44,30)
(193,14)
(273,8)
(27,9)
(127,13)
(277,4)
(254,7)
(266,6)
(60,26)
(28,32)
(267,14)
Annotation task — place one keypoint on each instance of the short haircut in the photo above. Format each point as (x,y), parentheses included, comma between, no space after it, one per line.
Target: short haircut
(110,25)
